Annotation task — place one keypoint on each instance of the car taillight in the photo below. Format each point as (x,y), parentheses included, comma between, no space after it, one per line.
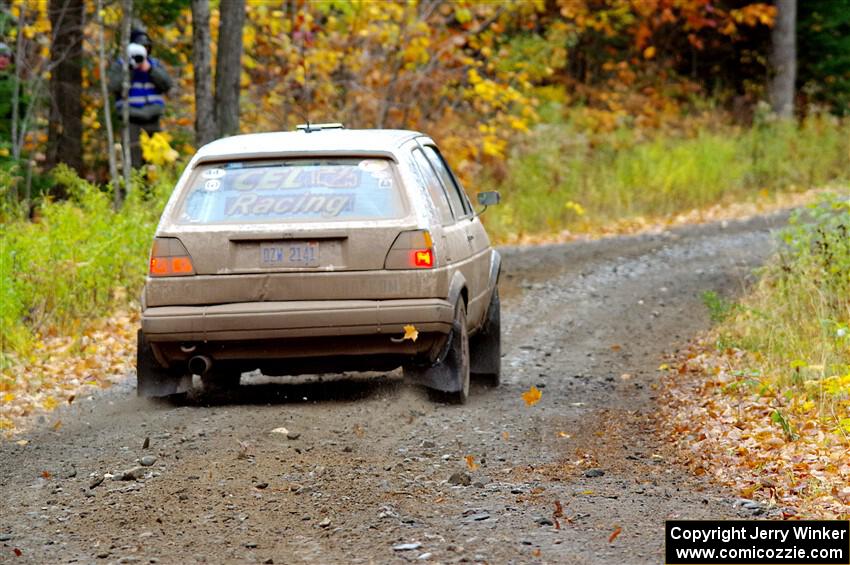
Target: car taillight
(169,258)
(423,258)
(411,250)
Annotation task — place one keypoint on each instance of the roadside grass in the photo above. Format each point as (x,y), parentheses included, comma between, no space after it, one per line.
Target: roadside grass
(560,179)
(796,321)
(763,404)
(75,262)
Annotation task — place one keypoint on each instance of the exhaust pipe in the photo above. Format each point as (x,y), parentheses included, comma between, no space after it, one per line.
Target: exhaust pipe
(200,365)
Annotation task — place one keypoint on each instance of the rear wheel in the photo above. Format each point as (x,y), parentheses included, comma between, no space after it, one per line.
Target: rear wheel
(486,346)
(152,379)
(448,378)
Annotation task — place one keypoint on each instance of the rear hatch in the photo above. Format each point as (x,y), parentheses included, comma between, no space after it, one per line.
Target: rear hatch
(277,229)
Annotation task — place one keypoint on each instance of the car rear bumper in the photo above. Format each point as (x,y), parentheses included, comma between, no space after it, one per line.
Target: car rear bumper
(295,319)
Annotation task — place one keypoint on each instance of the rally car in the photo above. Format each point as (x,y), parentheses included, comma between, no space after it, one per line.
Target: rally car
(320,250)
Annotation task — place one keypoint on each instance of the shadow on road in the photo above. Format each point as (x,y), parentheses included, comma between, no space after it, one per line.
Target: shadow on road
(261,390)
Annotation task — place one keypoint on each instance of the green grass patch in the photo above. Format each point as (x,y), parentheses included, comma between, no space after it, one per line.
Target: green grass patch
(560,178)
(77,260)
(796,321)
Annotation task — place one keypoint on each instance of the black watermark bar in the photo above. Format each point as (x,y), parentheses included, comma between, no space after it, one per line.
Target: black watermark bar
(757,542)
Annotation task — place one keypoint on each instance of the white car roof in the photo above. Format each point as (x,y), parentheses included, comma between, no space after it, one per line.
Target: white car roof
(322,141)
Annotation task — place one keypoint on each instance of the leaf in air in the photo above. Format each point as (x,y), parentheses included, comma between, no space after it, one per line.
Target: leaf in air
(470,462)
(532,396)
(614,534)
(410,332)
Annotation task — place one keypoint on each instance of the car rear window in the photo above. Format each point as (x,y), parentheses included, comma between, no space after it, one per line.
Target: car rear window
(292,190)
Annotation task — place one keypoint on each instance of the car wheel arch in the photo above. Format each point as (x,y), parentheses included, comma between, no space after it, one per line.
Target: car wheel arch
(458,289)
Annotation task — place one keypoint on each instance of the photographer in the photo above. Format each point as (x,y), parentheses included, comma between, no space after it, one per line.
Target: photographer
(149,82)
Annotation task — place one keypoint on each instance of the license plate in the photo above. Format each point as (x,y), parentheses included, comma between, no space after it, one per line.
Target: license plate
(295,254)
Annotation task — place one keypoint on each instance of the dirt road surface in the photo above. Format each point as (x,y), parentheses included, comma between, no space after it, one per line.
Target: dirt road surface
(372,472)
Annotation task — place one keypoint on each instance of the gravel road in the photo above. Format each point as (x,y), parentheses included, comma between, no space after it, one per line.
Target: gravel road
(370,471)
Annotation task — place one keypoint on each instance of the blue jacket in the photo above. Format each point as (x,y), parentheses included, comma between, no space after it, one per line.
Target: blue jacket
(147,90)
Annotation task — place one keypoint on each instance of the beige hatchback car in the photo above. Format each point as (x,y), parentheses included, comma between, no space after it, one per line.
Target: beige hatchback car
(314,251)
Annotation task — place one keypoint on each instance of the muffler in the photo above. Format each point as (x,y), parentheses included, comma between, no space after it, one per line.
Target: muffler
(200,365)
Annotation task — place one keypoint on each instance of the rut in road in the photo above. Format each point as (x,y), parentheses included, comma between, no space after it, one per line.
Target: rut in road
(377,473)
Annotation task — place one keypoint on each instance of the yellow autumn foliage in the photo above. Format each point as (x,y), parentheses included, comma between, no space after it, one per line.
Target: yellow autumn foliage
(156,148)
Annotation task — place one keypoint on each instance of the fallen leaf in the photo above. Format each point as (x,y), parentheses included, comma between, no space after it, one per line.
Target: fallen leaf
(559,510)
(616,347)
(359,431)
(71,398)
(57,425)
(18,552)
(506,436)
(614,534)
(470,462)
(532,396)
(22,442)
(410,332)
(280,430)
(147,443)
(564,435)
(45,474)
(536,552)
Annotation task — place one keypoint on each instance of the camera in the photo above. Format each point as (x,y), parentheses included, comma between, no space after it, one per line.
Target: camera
(136,54)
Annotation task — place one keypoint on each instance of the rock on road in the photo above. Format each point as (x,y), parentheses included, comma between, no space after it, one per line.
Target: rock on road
(368,470)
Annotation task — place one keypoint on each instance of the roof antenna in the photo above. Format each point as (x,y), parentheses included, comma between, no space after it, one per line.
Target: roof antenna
(304,106)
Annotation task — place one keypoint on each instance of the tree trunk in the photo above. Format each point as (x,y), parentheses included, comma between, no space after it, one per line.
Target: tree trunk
(65,131)
(127,9)
(229,66)
(784,58)
(107,109)
(205,122)
(16,86)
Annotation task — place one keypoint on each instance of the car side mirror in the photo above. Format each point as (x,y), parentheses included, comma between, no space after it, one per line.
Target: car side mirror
(487,199)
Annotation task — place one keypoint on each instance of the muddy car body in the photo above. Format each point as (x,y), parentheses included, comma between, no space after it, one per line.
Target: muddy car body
(311,252)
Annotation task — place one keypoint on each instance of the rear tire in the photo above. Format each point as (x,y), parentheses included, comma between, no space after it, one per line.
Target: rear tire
(152,379)
(452,371)
(486,346)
